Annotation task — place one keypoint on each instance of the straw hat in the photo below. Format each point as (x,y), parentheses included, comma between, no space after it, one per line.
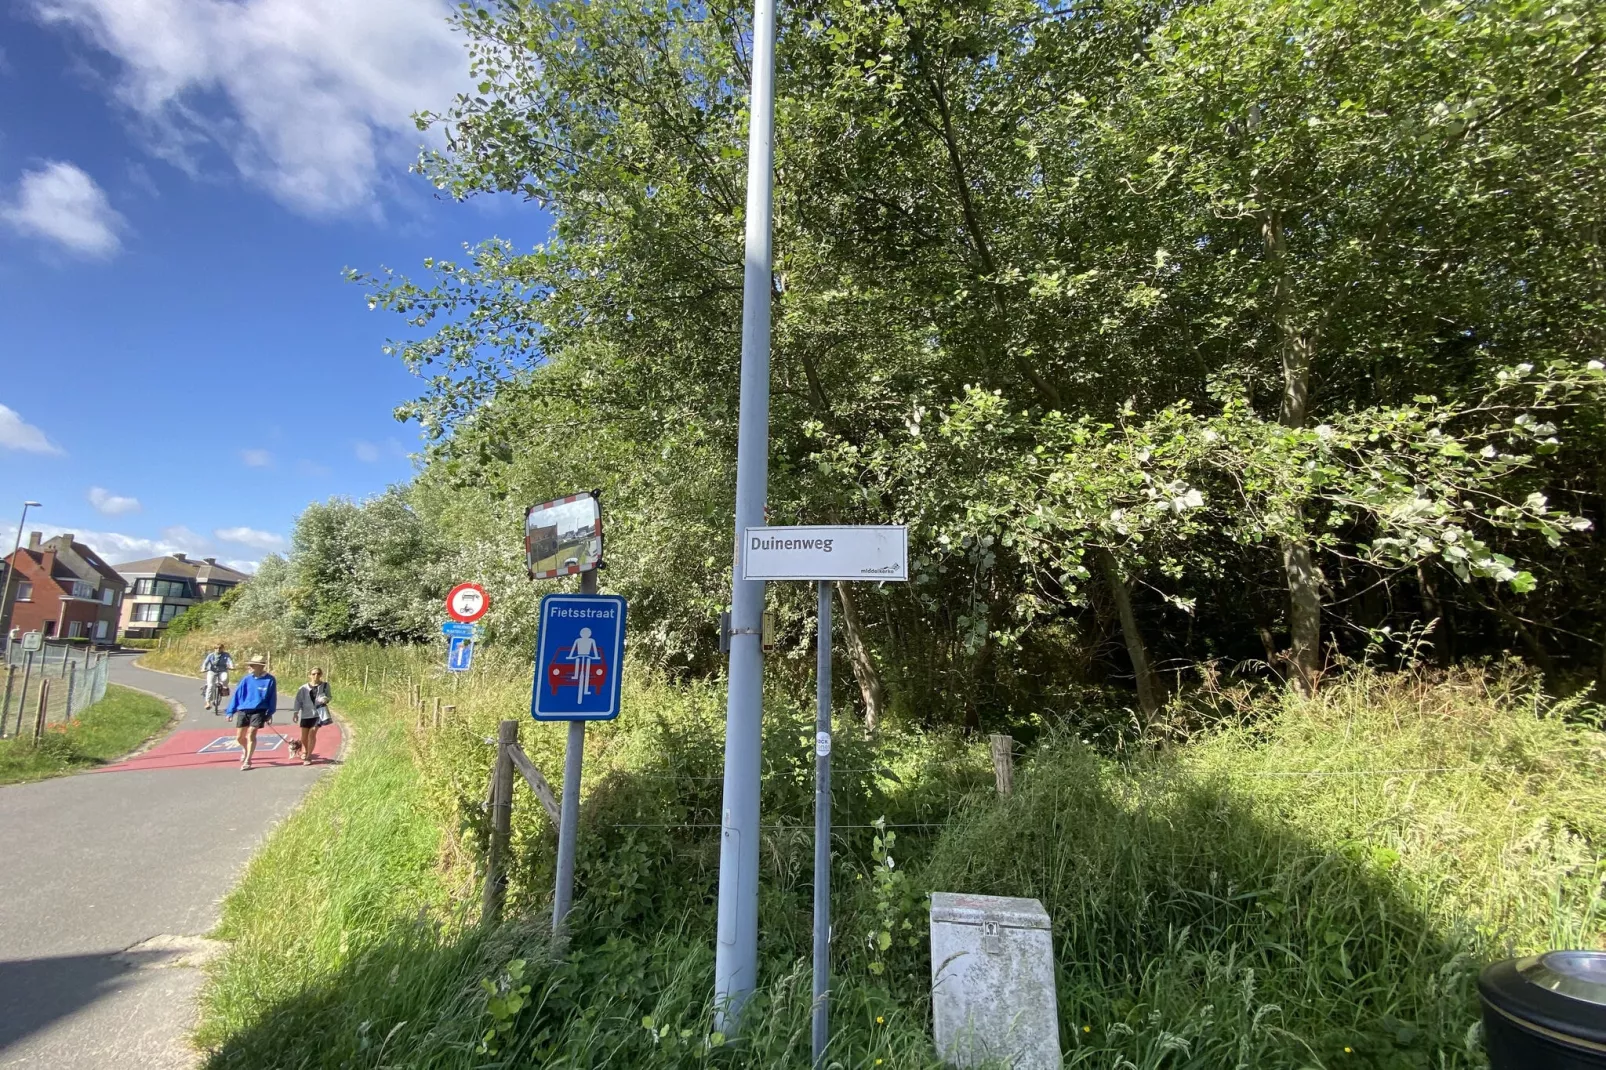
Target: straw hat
(256,659)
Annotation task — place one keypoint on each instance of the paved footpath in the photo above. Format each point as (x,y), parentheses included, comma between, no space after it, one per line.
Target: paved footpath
(109,882)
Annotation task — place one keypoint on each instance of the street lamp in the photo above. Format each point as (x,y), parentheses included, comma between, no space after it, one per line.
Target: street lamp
(11,570)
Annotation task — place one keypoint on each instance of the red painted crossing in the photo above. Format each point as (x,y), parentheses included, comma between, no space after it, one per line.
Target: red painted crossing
(200,748)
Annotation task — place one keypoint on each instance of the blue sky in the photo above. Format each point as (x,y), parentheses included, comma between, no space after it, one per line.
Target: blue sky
(182,183)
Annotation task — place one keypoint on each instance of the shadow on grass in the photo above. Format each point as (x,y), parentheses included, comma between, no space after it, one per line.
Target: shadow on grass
(1189,933)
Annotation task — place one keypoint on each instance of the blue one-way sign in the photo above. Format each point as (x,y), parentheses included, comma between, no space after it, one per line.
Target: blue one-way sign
(459,653)
(579,657)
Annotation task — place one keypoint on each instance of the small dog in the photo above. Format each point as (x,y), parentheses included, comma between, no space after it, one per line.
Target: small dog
(295,748)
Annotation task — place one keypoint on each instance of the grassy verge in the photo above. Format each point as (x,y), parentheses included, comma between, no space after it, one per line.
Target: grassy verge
(109,729)
(1310,883)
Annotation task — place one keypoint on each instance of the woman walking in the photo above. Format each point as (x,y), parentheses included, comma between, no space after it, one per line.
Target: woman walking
(312,712)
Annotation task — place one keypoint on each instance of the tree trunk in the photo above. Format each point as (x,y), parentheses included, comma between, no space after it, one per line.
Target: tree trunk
(1443,636)
(1304,616)
(864,669)
(1304,579)
(1149,690)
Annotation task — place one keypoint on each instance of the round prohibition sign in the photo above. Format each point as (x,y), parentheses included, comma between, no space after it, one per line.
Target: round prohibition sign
(467,602)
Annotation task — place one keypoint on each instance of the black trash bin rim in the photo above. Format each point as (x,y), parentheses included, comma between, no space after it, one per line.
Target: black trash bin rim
(1578,975)
(1528,993)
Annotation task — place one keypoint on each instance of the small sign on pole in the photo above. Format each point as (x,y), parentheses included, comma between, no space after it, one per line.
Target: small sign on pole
(467,602)
(459,653)
(457,629)
(578,658)
(839,552)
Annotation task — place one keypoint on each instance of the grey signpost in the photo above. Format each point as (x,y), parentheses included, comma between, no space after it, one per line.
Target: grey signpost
(561,538)
(736,945)
(825,555)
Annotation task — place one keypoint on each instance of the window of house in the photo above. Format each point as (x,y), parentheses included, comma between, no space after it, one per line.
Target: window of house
(82,590)
(148,611)
(171,611)
(50,628)
(75,629)
(100,629)
(25,592)
(162,588)
(106,595)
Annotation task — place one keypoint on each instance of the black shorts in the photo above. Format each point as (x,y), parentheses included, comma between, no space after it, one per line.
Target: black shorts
(308,722)
(252,718)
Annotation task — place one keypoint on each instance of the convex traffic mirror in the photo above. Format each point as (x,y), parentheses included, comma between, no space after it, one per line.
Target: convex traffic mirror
(563,537)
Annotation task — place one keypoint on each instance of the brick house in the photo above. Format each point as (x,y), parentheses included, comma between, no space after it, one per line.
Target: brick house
(160,588)
(63,589)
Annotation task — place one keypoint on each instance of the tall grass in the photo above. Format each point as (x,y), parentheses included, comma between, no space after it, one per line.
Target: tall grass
(109,729)
(1309,883)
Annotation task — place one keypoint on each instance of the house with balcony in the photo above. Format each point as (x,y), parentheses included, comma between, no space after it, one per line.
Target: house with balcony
(64,589)
(160,588)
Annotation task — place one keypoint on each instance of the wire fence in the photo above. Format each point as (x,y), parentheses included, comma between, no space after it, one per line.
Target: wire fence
(48,686)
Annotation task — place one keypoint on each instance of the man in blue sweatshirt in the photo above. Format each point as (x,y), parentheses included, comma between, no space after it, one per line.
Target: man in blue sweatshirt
(254,702)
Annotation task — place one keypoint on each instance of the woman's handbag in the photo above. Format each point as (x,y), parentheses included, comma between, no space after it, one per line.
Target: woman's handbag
(323,716)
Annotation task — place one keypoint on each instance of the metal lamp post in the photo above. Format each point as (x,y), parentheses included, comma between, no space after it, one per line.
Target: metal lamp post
(736,948)
(11,570)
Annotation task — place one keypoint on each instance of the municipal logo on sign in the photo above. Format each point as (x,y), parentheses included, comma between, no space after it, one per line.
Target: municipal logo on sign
(467,602)
(578,659)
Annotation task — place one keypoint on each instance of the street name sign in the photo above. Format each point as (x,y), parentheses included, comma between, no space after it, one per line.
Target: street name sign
(467,602)
(457,629)
(579,658)
(858,552)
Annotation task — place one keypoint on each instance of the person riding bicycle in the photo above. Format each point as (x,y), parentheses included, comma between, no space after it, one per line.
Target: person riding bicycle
(215,671)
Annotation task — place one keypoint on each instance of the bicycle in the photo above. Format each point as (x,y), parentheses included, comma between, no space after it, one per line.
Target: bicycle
(215,689)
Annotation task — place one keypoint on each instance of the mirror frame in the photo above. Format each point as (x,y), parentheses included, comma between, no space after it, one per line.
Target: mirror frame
(586,563)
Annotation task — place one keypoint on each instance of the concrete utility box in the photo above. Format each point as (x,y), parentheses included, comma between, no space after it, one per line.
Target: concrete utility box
(992,982)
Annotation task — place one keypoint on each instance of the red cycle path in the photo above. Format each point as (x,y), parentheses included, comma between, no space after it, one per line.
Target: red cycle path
(199,748)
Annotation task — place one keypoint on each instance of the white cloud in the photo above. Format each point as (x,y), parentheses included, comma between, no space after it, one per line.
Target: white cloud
(367,452)
(247,567)
(308,97)
(18,434)
(256,458)
(62,204)
(257,540)
(110,504)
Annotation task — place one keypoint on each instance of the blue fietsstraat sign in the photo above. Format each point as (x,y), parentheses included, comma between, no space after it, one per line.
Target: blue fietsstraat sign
(459,653)
(578,658)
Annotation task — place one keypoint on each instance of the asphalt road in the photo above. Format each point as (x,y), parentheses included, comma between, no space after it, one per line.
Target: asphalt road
(109,883)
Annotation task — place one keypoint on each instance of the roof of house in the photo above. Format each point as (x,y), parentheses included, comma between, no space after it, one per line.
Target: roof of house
(179,566)
(102,572)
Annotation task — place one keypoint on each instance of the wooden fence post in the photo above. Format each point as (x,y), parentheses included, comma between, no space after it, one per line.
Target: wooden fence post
(507,735)
(1004,765)
(5,706)
(365,678)
(437,712)
(44,703)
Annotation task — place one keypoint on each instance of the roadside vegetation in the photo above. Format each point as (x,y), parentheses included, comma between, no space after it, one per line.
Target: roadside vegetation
(106,731)
(1290,882)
